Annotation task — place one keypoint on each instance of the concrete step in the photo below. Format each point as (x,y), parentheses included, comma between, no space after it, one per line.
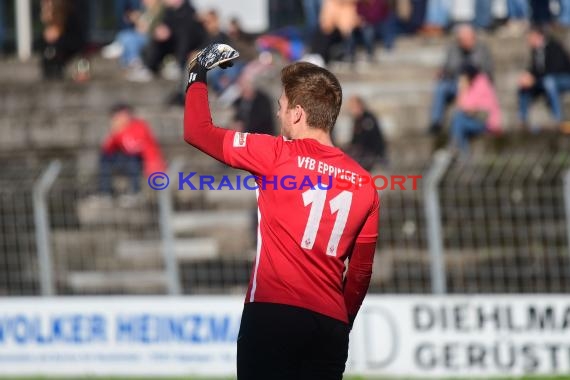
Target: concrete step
(234,230)
(194,221)
(189,249)
(117,282)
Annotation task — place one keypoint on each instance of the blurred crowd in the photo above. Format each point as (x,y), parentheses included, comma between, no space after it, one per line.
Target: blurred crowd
(158,37)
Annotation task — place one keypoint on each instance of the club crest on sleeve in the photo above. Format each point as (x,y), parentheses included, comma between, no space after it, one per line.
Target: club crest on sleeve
(240,139)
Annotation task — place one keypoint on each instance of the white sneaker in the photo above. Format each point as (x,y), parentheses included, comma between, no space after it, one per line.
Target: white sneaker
(171,71)
(139,74)
(112,51)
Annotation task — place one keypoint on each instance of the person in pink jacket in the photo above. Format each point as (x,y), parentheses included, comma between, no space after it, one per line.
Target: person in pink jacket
(478,109)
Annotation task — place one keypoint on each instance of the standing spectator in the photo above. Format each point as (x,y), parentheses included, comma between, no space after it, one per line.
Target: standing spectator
(129,148)
(367,146)
(64,35)
(548,74)
(465,50)
(477,108)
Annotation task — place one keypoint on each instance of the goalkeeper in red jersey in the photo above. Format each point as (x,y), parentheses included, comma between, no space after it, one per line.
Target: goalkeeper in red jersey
(299,307)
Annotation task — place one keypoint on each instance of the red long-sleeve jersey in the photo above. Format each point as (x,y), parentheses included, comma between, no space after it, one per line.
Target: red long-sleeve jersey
(305,233)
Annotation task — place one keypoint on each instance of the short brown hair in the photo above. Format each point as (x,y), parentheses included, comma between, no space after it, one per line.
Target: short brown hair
(315,89)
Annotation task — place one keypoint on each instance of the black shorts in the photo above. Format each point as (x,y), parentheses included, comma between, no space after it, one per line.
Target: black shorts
(281,342)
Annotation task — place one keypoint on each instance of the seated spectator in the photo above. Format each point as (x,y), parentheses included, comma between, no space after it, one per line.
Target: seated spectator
(367,146)
(130,148)
(477,108)
(466,49)
(129,43)
(548,74)
(253,110)
(179,33)
(64,35)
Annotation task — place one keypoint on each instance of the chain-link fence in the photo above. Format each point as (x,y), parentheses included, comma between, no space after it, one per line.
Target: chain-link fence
(492,222)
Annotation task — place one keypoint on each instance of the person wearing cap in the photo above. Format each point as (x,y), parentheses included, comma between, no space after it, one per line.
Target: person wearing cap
(548,74)
(129,148)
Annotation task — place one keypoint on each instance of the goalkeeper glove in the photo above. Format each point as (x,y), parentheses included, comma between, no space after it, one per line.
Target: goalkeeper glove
(211,56)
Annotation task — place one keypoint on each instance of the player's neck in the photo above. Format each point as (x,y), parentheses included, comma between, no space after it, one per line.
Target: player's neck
(320,135)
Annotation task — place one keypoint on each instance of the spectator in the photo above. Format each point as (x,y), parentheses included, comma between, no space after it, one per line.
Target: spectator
(129,43)
(129,148)
(180,33)
(253,110)
(465,50)
(63,35)
(367,146)
(477,108)
(548,74)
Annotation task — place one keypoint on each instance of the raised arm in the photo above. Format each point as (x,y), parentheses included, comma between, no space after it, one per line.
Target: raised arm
(199,131)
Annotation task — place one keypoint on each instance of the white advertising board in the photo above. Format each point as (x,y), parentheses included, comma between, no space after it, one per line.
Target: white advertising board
(421,336)
(462,336)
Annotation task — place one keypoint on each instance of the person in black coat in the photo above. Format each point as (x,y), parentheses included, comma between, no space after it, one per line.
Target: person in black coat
(548,74)
(367,146)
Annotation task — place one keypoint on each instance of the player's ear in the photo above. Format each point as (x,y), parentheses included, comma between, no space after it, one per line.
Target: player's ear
(298,113)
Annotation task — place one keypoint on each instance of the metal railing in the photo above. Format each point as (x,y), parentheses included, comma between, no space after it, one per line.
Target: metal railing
(497,222)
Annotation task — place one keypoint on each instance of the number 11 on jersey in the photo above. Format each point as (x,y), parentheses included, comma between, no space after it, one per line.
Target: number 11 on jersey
(339,205)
